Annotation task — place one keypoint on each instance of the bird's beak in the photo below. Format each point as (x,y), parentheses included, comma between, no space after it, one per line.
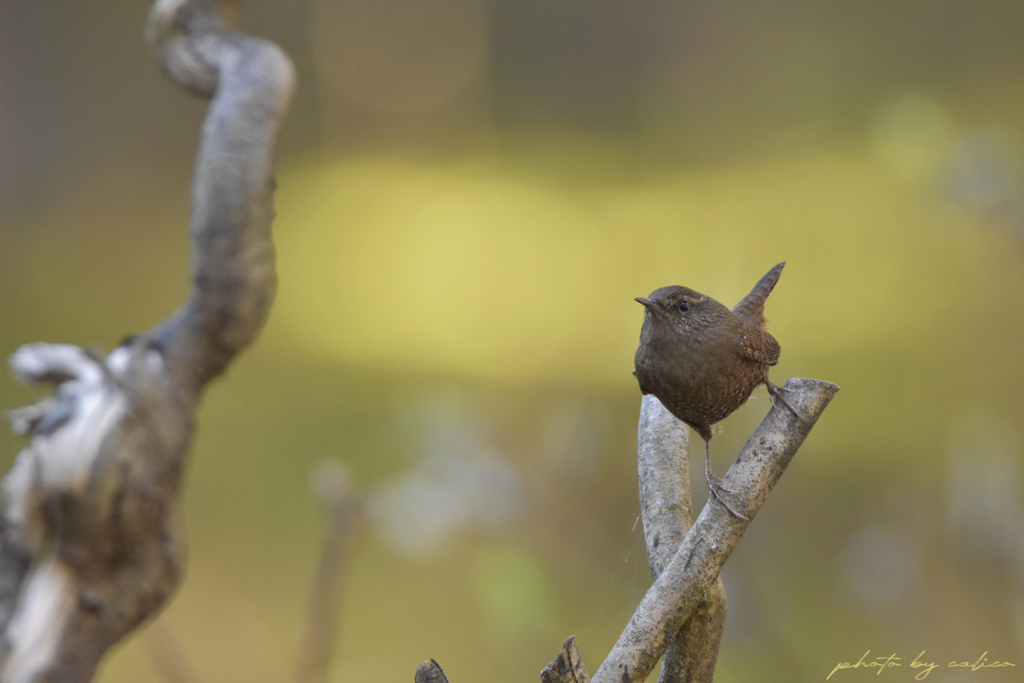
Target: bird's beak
(648,304)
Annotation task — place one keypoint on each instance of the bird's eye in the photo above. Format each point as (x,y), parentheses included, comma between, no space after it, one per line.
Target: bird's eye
(684,306)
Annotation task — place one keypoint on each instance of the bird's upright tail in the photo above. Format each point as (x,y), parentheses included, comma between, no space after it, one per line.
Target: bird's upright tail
(751,308)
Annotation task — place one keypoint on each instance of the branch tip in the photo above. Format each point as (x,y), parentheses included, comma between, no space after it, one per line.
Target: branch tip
(567,667)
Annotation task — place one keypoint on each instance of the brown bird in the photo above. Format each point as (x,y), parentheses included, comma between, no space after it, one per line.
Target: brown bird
(702,361)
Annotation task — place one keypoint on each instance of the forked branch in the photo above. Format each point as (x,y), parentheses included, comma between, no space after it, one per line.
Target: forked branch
(679,589)
(683,608)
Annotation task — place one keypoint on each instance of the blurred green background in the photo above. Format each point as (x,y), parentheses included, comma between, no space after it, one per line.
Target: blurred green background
(471,194)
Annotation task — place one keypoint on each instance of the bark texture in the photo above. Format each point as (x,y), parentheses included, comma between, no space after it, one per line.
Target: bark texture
(663,466)
(567,667)
(680,589)
(90,528)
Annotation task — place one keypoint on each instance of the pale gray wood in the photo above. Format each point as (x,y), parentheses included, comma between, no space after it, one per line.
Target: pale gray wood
(91,534)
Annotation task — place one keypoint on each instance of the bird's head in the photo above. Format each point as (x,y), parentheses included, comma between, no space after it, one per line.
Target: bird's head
(681,308)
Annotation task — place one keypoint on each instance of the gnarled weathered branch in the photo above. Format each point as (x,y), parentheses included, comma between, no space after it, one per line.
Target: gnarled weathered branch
(233,280)
(90,530)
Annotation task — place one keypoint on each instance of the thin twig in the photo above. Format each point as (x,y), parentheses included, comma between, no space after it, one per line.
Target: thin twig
(170,659)
(331,483)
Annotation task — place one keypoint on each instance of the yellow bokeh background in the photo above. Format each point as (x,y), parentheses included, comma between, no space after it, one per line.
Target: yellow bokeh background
(470,195)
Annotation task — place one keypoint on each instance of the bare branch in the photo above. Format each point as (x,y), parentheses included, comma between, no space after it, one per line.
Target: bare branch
(232,252)
(91,540)
(677,591)
(91,543)
(667,510)
(430,672)
(567,667)
(330,482)
(170,660)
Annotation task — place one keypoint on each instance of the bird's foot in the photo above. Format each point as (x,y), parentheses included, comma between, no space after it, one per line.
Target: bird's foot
(716,488)
(775,392)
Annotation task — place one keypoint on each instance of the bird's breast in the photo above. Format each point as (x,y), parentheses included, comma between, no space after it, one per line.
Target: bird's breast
(700,381)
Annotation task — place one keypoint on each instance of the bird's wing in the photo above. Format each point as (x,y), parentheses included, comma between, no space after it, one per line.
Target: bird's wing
(751,308)
(757,344)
